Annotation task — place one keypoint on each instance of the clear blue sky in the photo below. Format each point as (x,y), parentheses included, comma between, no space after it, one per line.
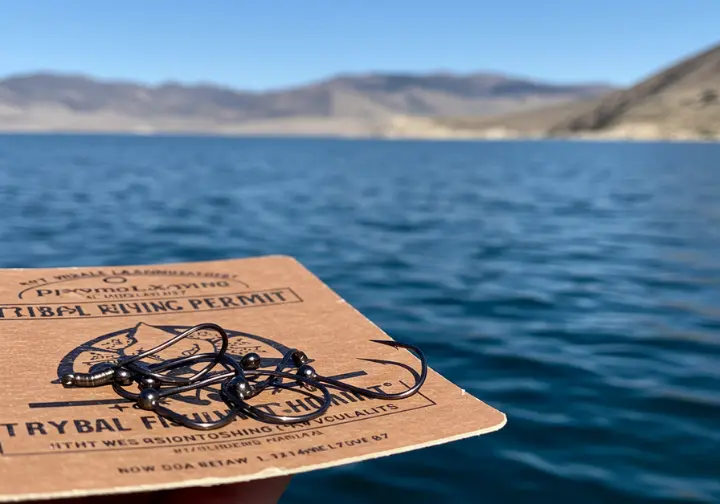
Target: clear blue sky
(272,43)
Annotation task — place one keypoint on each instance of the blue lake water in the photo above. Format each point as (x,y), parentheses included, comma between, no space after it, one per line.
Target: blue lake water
(575,286)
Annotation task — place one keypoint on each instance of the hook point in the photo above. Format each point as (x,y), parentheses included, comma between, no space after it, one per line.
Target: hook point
(389,343)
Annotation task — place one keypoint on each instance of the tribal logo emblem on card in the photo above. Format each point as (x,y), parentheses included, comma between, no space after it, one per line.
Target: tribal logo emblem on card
(109,348)
(131,341)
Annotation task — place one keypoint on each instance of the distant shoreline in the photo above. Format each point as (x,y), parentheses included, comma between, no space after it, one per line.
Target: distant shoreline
(600,138)
(677,104)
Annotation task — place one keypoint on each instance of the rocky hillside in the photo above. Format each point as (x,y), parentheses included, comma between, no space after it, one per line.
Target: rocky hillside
(680,101)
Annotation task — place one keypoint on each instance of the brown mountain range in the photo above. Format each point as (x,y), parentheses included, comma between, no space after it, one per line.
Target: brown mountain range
(678,102)
(353,105)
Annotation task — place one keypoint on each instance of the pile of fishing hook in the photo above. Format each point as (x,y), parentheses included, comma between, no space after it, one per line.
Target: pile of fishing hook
(240,378)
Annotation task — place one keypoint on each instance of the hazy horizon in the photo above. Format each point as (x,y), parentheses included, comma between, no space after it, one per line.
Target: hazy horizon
(328,77)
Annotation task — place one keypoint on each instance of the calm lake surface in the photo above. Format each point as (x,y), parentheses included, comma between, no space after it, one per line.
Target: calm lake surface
(575,286)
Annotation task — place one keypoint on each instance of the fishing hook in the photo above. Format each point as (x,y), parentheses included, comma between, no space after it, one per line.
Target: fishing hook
(240,380)
(236,387)
(307,371)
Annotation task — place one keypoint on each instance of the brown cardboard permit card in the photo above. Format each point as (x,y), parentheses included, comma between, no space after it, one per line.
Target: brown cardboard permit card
(58,442)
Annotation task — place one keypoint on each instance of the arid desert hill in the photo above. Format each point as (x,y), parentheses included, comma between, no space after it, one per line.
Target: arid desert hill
(678,102)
